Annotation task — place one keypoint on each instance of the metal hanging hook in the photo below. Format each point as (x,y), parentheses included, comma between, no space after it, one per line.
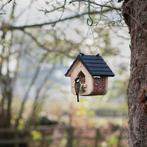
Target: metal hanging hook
(89,19)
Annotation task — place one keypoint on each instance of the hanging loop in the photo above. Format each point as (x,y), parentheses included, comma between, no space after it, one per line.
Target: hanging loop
(89,19)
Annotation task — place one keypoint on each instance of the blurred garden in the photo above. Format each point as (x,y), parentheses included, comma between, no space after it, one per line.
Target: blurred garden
(39,40)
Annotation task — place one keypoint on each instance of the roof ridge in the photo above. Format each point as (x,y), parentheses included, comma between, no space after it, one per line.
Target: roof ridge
(94,68)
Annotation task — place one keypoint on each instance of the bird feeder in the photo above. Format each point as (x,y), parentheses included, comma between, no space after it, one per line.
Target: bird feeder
(89,75)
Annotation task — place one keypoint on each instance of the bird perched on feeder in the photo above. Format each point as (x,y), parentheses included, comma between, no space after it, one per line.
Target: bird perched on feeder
(77,87)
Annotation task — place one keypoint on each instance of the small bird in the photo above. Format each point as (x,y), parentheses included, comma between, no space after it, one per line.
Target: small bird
(77,87)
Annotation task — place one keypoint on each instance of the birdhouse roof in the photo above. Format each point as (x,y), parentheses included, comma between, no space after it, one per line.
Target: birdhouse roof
(95,65)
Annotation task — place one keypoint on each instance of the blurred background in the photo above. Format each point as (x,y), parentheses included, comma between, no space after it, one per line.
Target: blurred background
(39,39)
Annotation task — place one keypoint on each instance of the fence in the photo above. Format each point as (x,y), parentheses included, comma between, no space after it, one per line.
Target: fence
(61,136)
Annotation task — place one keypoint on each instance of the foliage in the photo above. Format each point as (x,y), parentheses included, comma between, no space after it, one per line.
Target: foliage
(112,141)
(36,135)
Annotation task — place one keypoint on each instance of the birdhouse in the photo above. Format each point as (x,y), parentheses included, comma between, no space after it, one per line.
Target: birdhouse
(89,75)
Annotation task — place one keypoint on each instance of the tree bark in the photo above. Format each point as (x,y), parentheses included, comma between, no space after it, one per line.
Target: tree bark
(135,16)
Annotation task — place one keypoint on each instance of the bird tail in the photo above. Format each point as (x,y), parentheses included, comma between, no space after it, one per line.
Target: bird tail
(78,98)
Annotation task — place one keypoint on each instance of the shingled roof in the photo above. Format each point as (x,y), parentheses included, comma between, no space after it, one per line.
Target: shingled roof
(94,64)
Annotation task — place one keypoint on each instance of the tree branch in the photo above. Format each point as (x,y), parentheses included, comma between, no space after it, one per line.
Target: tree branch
(26,95)
(36,41)
(37,95)
(97,4)
(11,27)
(2,7)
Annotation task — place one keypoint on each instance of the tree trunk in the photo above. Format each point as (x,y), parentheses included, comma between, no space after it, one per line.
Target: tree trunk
(135,16)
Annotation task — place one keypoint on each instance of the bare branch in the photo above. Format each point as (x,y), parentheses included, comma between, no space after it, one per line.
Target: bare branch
(56,21)
(50,11)
(38,92)
(2,7)
(96,4)
(26,95)
(51,50)
(36,41)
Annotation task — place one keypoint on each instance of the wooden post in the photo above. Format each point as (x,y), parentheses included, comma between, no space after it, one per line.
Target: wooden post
(97,135)
(70,137)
